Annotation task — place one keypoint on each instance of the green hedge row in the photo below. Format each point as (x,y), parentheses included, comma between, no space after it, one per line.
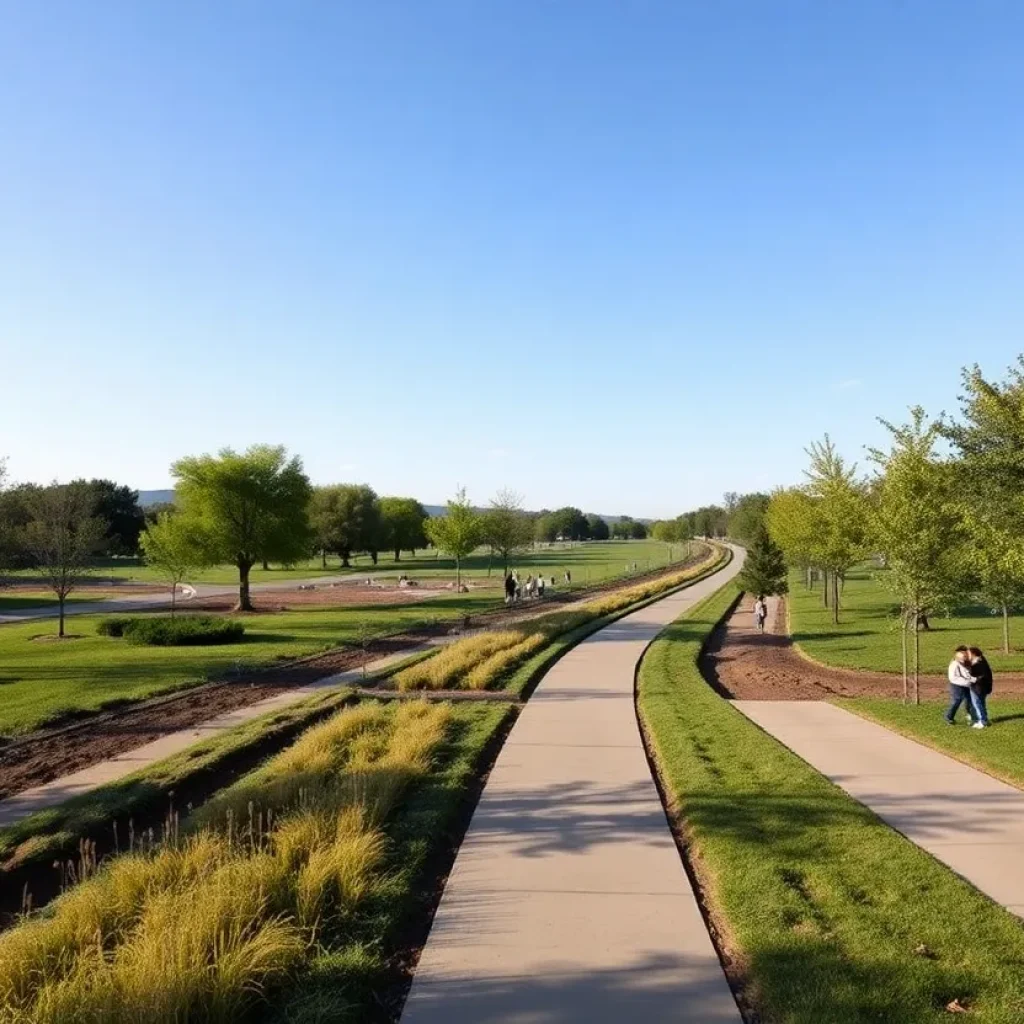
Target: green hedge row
(163,631)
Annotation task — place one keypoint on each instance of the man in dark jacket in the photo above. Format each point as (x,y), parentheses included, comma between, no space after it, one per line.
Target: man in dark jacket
(981,685)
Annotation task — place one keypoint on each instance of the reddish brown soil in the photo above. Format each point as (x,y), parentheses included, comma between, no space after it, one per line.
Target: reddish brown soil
(743,664)
(49,754)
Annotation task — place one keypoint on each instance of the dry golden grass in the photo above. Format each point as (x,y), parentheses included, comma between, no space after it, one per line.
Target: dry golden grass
(200,929)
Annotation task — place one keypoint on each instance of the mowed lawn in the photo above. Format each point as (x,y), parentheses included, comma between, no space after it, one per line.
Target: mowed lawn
(868,635)
(589,562)
(42,678)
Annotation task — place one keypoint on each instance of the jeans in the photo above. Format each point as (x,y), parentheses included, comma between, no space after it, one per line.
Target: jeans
(959,695)
(978,703)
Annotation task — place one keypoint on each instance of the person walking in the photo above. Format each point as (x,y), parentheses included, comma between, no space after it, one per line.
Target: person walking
(981,685)
(540,586)
(510,588)
(760,613)
(960,681)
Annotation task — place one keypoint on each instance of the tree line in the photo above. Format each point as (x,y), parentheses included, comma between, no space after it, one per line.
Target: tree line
(942,511)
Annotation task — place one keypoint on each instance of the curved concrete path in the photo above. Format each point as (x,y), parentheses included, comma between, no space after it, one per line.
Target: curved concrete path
(568,901)
(970,821)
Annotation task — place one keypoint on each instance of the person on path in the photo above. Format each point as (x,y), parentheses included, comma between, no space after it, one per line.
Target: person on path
(960,681)
(760,613)
(568,578)
(540,586)
(510,588)
(981,685)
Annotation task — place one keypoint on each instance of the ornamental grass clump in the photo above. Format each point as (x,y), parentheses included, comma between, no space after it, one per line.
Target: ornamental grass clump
(204,926)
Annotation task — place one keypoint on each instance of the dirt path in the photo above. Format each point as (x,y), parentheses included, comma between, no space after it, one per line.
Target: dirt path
(49,754)
(742,664)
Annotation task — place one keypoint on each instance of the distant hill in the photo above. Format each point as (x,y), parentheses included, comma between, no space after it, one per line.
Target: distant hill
(148,498)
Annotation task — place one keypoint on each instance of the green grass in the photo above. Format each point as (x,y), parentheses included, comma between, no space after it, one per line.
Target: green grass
(832,916)
(589,563)
(868,637)
(40,599)
(42,680)
(998,751)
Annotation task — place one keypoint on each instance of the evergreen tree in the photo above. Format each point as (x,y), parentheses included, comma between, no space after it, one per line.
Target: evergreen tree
(764,571)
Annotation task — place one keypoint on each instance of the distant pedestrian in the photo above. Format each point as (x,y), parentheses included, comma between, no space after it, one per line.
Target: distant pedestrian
(540,586)
(960,681)
(568,578)
(510,589)
(760,613)
(981,685)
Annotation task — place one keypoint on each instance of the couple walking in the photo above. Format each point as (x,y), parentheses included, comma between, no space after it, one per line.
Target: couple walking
(760,613)
(970,683)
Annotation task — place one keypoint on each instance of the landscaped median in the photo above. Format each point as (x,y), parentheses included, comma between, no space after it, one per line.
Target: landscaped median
(822,912)
(493,659)
(289,892)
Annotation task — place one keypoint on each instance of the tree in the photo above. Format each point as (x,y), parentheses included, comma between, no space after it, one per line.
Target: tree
(124,520)
(346,518)
(746,517)
(597,528)
(506,527)
(172,548)
(402,522)
(545,528)
(62,537)
(916,528)
(665,530)
(790,521)
(764,570)
(457,533)
(990,443)
(839,515)
(570,523)
(242,508)
(711,521)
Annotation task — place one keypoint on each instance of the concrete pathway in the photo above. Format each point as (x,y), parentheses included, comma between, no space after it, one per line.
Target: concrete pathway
(39,798)
(961,816)
(568,901)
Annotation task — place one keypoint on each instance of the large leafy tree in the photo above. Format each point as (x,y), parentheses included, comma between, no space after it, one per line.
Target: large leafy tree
(402,522)
(746,517)
(346,518)
(62,537)
(916,528)
(245,507)
(570,523)
(597,528)
(790,520)
(989,441)
(764,569)
(124,520)
(506,526)
(170,545)
(457,533)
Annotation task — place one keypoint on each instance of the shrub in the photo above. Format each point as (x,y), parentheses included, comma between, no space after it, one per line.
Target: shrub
(186,631)
(114,625)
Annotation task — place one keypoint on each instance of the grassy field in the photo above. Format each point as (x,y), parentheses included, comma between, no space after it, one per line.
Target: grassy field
(589,562)
(828,914)
(998,751)
(42,679)
(40,599)
(868,635)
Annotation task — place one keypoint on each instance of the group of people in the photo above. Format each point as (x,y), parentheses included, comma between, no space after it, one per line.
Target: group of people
(517,590)
(970,683)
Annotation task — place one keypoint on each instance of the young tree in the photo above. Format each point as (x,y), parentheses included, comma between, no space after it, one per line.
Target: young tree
(506,527)
(457,533)
(916,529)
(62,537)
(402,522)
(171,546)
(245,507)
(346,518)
(790,520)
(764,570)
(840,515)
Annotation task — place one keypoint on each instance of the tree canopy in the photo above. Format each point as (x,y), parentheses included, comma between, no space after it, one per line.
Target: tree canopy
(458,532)
(346,518)
(402,522)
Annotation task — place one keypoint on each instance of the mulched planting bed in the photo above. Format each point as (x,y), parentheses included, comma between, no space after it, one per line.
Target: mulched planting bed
(745,665)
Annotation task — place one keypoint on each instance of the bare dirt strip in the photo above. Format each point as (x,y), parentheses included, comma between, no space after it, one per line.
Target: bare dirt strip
(740,663)
(49,754)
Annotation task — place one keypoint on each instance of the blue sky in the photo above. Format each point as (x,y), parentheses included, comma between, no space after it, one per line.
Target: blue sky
(621,255)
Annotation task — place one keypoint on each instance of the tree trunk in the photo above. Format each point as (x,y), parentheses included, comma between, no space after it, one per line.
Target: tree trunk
(922,621)
(917,662)
(458,575)
(244,601)
(1006,630)
(323,558)
(174,595)
(373,557)
(398,554)
(824,587)
(835,598)
(266,567)
(61,598)
(345,556)
(903,645)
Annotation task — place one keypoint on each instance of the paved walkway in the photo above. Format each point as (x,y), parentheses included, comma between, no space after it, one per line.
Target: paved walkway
(568,901)
(961,816)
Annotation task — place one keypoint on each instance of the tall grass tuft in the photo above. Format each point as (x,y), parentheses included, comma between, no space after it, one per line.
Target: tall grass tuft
(200,929)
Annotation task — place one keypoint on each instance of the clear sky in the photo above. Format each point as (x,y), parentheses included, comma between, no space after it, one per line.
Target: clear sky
(621,255)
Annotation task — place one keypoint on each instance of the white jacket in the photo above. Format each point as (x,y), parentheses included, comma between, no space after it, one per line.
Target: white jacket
(959,675)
